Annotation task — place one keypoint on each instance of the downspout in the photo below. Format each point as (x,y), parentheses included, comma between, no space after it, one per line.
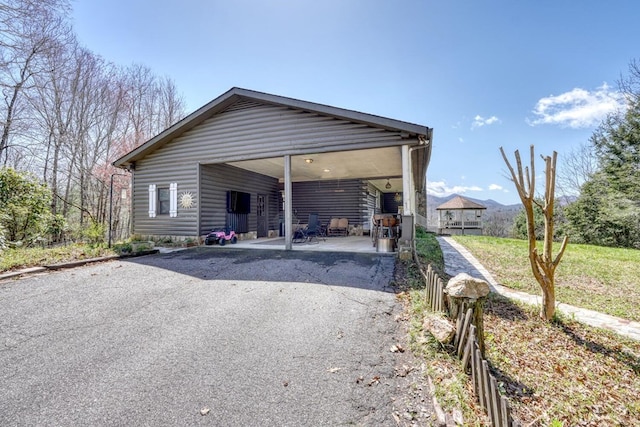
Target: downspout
(409,194)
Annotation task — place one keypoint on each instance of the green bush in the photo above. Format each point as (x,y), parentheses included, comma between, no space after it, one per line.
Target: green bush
(421,233)
(136,238)
(24,206)
(122,248)
(56,227)
(95,232)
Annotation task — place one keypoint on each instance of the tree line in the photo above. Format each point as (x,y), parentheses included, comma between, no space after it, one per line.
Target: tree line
(607,212)
(66,113)
(600,180)
(598,183)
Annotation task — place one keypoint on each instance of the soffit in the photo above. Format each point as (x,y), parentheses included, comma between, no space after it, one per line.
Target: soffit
(375,165)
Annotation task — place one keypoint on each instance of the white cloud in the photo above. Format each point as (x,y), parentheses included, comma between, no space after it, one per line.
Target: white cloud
(479,121)
(441,189)
(495,187)
(578,108)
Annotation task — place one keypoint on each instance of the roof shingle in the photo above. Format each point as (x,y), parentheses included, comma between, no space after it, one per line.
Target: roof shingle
(460,202)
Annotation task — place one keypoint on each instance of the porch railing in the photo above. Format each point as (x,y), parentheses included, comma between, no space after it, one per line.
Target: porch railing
(460,224)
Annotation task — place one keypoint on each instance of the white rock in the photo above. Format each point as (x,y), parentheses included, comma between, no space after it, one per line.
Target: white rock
(466,286)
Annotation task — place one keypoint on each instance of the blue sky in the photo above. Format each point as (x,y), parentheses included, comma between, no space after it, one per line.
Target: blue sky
(483,74)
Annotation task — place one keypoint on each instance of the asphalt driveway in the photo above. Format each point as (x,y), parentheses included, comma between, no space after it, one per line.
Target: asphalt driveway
(244,337)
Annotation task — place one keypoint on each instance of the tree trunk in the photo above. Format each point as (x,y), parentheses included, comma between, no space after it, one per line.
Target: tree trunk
(548,302)
(4,140)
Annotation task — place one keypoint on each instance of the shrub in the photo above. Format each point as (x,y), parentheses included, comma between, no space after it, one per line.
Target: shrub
(95,232)
(24,206)
(122,248)
(136,238)
(56,227)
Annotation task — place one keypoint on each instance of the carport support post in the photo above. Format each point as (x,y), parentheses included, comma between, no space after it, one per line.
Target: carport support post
(407,188)
(288,206)
(408,200)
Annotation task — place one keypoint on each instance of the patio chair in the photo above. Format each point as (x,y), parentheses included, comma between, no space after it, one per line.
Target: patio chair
(333,225)
(338,227)
(310,232)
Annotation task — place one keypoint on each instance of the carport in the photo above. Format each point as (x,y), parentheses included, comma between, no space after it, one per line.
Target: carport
(321,182)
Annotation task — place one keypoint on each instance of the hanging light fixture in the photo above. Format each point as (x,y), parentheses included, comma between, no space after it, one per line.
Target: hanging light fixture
(388,184)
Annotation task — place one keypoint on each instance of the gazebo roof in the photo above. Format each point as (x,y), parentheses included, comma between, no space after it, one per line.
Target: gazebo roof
(460,202)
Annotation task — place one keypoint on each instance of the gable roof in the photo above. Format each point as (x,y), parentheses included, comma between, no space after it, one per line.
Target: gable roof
(460,202)
(236,94)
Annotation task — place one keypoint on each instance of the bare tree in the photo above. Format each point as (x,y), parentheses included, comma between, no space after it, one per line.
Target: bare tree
(152,105)
(68,113)
(576,168)
(498,223)
(171,104)
(28,29)
(543,267)
(630,85)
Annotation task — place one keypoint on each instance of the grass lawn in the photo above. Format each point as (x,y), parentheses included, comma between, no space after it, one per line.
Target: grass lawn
(14,259)
(559,373)
(594,277)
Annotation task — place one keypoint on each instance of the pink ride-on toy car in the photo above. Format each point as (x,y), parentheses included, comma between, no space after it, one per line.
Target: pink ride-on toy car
(220,237)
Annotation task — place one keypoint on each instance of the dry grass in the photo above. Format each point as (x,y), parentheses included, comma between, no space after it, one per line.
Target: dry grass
(14,259)
(564,370)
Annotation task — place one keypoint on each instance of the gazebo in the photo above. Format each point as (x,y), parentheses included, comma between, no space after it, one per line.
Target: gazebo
(460,216)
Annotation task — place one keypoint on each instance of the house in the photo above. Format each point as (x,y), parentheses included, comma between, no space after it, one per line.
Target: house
(259,163)
(460,216)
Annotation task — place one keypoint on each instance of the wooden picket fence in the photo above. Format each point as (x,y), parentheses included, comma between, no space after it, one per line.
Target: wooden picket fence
(485,384)
(434,289)
(468,351)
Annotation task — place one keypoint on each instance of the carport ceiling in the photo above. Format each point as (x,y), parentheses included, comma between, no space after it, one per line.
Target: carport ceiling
(381,163)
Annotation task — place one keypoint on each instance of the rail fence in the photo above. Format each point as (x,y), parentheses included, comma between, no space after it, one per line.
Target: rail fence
(468,350)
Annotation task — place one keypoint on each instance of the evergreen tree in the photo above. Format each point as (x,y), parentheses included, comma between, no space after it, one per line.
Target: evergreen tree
(617,143)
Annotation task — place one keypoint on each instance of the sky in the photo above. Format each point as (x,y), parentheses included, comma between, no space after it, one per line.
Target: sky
(482,74)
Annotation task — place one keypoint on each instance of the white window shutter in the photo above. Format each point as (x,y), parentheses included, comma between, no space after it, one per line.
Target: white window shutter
(173,199)
(152,200)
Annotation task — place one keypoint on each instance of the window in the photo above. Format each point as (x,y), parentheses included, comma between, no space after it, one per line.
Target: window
(163,201)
